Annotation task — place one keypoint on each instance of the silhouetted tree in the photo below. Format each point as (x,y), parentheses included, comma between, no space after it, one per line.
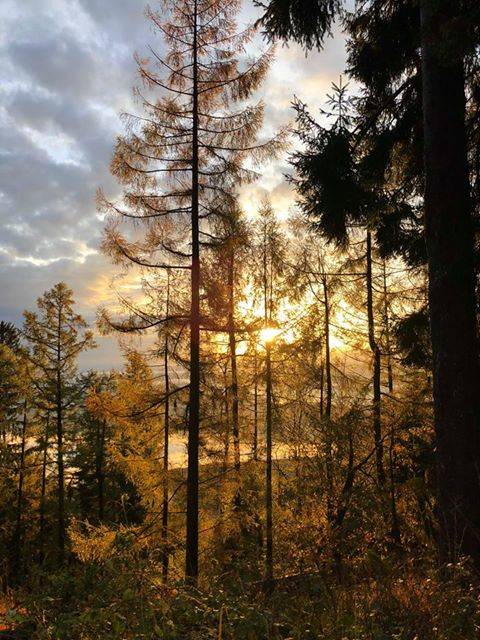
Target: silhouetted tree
(448,208)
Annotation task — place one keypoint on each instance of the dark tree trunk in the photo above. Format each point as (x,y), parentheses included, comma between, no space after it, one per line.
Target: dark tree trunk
(226,451)
(255,407)
(322,384)
(43,492)
(233,372)
(268,488)
(60,464)
(223,484)
(60,476)
(328,368)
(166,443)
(450,247)
(388,344)
(191,556)
(18,536)
(394,521)
(99,471)
(328,403)
(376,404)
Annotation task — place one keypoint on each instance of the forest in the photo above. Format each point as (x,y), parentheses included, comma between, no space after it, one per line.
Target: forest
(290,449)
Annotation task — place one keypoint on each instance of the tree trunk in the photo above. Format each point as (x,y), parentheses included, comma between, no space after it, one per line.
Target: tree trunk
(18,536)
(322,384)
(255,407)
(268,492)
(328,403)
(386,314)
(191,556)
(166,442)
(226,450)
(223,483)
(394,523)
(99,471)
(328,368)
(60,465)
(450,246)
(376,405)
(233,372)
(268,304)
(43,492)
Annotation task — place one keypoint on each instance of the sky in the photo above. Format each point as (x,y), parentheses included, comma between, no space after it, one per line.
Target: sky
(66,76)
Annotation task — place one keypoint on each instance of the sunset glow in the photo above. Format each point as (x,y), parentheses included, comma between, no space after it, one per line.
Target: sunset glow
(239,350)
(269,334)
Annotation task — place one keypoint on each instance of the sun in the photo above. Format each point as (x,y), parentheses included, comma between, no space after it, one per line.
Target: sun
(269,334)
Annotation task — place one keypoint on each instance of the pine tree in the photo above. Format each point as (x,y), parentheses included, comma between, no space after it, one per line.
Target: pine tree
(391,107)
(133,407)
(9,335)
(56,335)
(10,390)
(92,460)
(408,126)
(14,432)
(337,195)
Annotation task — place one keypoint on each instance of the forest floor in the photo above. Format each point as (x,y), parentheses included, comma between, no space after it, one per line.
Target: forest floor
(10,626)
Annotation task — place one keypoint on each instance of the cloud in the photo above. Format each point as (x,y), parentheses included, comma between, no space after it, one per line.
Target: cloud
(66,74)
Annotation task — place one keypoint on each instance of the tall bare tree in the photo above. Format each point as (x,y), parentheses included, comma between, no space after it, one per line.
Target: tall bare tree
(182,160)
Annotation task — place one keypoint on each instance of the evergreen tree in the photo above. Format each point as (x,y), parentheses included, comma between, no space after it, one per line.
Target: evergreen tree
(56,335)
(14,423)
(448,209)
(92,459)
(9,335)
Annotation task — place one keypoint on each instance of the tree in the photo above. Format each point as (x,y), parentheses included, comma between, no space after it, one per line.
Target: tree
(192,139)
(337,195)
(224,281)
(56,335)
(132,405)
(305,21)
(448,209)
(411,124)
(10,390)
(9,335)
(449,236)
(94,475)
(270,255)
(14,422)
(44,442)
(376,352)
(314,278)
(166,438)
